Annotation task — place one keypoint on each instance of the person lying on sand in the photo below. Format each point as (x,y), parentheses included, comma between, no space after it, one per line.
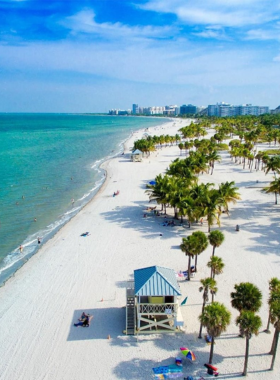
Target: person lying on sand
(85,234)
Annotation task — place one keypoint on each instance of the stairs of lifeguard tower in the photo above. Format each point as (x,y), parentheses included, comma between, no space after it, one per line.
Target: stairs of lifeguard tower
(130,312)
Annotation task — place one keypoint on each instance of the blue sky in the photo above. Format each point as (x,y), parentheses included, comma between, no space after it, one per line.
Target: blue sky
(93,55)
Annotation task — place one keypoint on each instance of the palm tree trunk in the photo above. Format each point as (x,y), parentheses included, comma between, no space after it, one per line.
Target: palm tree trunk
(271,352)
(275,198)
(189,268)
(200,330)
(211,350)
(275,349)
(195,264)
(246,357)
(268,323)
(213,252)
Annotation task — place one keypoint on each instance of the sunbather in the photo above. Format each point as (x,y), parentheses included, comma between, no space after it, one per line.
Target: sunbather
(84,323)
(83,316)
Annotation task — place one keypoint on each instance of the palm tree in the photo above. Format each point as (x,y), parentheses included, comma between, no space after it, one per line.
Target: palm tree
(210,204)
(188,207)
(181,147)
(158,192)
(275,319)
(216,264)
(187,247)
(228,193)
(216,238)
(246,297)
(193,245)
(274,286)
(212,157)
(274,187)
(208,285)
(201,243)
(273,164)
(249,324)
(215,318)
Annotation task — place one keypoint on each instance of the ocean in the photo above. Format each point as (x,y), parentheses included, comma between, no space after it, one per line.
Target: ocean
(49,169)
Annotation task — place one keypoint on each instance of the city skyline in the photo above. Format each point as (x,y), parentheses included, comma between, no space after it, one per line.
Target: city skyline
(92,56)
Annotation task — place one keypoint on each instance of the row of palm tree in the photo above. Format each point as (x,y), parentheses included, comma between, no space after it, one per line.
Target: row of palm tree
(247,300)
(149,143)
(188,198)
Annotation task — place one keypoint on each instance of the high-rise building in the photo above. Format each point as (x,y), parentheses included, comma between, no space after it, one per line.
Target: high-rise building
(189,109)
(277,110)
(135,109)
(225,109)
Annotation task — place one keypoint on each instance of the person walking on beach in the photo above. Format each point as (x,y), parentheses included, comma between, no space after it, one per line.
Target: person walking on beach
(39,240)
(20,248)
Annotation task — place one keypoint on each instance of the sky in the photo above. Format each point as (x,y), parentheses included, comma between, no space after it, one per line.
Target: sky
(96,55)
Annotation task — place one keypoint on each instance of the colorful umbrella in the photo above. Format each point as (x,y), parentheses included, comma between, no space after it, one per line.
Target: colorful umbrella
(188,354)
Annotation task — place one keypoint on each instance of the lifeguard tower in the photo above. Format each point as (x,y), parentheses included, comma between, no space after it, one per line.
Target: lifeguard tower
(152,302)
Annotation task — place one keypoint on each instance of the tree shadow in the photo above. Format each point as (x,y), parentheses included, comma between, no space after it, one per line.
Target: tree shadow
(136,368)
(151,226)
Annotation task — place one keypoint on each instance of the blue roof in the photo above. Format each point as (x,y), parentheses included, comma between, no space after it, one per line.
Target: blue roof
(156,281)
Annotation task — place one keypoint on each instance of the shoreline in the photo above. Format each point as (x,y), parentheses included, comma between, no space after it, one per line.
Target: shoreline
(11,269)
(72,274)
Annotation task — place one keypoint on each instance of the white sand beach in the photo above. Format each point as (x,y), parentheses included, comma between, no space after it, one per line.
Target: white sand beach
(71,274)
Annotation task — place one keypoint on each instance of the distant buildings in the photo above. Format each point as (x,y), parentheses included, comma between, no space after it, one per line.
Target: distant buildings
(119,112)
(189,109)
(226,109)
(277,110)
(135,109)
(219,110)
(156,110)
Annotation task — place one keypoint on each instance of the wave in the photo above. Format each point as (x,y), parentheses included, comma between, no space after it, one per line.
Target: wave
(16,259)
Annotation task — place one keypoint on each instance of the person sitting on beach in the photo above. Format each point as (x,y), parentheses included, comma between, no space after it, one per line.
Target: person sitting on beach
(83,316)
(84,323)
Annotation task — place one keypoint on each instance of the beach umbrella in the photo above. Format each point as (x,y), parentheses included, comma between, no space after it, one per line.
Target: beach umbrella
(152,183)
(188,354)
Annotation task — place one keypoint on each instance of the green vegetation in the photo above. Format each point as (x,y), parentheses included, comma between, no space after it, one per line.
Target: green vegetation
(208,285)
(249,324)
(215,318)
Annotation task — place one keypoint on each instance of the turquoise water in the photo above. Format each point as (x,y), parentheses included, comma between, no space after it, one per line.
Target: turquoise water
(46,161)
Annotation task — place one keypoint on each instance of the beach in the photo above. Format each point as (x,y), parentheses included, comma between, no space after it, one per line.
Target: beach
(71,274)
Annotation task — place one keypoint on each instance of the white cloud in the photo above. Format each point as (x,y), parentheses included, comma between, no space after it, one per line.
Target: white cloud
(213,32)
(263,35)
(84,22)
(230,13)
(181,63)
